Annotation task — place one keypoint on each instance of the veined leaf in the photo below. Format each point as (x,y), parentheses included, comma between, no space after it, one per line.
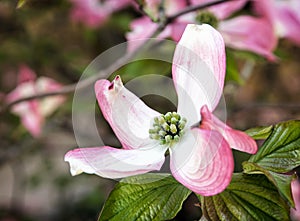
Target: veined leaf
(281,151)
(248,197)
(145,197)
(281,181)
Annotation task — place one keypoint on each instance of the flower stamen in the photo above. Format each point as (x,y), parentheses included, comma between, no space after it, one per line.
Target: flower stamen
(168,128)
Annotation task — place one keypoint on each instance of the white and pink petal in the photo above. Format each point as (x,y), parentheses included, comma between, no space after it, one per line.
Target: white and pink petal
(202,162)
(129,117)
(236,139)
(198,70)
(113,163)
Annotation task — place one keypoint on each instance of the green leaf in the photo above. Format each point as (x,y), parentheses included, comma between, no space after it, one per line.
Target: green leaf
(281,151)
(259,132)
(145,197)
(281,181)
(279,154)
(248,197)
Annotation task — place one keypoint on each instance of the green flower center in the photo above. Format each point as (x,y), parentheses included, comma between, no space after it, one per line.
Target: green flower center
(207,18)
(168,128)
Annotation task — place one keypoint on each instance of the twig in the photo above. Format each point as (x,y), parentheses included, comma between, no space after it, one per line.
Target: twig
(163,22)
(194,8)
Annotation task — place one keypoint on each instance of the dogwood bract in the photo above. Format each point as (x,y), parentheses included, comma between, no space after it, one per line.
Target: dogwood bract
(200,154)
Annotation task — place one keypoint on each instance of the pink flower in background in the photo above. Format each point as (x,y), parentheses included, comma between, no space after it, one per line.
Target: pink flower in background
(295,213)
(33,112)
(283,16)
(242,32)
(251,34)
(93,13)
(200,156)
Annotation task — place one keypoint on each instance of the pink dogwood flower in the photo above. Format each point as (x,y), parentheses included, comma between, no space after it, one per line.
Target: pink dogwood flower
(238,32)
(200,155)
(93,13)
(283,16)
(33,112)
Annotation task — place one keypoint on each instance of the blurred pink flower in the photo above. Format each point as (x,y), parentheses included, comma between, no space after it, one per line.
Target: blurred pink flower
(251,34)
(295,213)
(94,13)
(200,156)
(242,32)
(33,112)
(283,16)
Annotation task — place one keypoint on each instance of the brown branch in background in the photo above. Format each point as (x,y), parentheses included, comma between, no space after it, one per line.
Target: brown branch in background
(194,8)
(163,22)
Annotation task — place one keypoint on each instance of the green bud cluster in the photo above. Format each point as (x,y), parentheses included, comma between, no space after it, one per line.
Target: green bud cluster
(206,17)
(167,128)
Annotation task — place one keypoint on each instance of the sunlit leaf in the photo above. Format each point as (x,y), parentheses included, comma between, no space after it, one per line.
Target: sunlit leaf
(145,197)
(281,151)
(279,154)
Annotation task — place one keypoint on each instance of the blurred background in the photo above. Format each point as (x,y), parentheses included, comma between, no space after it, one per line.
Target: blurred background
(35,181)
